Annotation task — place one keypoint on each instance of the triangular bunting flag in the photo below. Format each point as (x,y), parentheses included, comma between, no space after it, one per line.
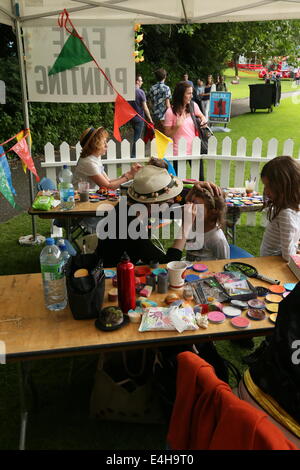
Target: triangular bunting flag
(73,53)
(5,189)
(162,142)
(21,149)
(20,136)
(123,113)
(149,134)
(5,166)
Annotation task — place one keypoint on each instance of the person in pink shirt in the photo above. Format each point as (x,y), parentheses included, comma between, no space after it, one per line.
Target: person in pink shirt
(178,121)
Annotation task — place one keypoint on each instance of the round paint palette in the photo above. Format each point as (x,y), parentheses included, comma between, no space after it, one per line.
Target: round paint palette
(240,322)
(231,311)
(239,303)
(275,289)
(273,298)
(216,317)
(273,317)
(191,278)
(200,268)
(272,308)
(256,314)
(285,294)
(256,303)
(289,286)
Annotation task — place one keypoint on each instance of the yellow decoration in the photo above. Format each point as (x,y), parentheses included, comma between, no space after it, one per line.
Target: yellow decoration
(162,142)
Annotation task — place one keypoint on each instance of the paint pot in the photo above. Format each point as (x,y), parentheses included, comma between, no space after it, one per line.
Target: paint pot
(273,298)
(276,289)
(216,317)
(272,308)
(240,322)
(256,304)
(231,311)
(256,314)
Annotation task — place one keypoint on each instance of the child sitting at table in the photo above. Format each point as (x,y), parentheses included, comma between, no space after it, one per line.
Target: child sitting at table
(90,168)
(215,245)
(281,179)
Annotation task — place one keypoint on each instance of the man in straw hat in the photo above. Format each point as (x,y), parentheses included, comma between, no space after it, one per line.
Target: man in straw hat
(151,187)
(90,168)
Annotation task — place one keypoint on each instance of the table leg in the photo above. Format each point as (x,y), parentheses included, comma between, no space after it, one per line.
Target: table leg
(26,384)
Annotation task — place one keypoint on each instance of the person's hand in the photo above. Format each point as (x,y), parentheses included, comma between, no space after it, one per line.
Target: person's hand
(203,121)
(181,119)
(211,187)
(135,167)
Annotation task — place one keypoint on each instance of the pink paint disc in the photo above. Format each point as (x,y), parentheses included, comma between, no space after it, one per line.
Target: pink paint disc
(240,322)
(216,317)
(201,268)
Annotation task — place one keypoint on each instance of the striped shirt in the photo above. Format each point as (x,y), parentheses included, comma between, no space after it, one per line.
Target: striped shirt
(282,235)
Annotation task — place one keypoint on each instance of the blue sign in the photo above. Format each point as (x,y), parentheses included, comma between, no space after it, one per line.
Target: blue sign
(219,106)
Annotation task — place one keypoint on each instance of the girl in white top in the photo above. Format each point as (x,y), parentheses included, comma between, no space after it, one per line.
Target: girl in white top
(90,168)
(215,245)
(281,179)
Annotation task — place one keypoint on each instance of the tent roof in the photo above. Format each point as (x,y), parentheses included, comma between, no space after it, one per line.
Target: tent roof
(156,11)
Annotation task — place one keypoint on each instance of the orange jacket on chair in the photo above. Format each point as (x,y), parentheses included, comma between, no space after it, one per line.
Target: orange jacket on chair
(208,416)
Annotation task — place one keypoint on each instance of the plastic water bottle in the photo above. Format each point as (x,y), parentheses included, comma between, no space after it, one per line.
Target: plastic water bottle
(64,250)
(66,189)
(54,281)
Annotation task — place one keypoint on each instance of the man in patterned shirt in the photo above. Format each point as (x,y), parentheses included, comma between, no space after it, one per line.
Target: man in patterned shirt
(159,97)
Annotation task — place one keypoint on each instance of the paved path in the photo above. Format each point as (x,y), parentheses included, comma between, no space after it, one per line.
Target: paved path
(241,106)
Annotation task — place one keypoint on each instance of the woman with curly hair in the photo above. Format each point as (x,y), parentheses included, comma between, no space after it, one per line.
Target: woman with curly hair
(90,168)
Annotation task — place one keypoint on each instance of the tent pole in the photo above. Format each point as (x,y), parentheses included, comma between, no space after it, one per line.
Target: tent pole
(33,239)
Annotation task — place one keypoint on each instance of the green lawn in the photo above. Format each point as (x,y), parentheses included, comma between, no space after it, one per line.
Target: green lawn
(248,78)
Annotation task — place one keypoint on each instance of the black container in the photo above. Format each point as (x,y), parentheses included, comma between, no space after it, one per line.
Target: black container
(85,305)
(263,96)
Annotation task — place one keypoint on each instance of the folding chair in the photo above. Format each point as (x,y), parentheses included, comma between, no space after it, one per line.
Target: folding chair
(210,417)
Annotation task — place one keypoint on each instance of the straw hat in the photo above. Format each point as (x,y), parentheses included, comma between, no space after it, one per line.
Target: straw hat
(154,184)
(87,135)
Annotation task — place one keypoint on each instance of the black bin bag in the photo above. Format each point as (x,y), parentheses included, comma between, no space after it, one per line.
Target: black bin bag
(85,294)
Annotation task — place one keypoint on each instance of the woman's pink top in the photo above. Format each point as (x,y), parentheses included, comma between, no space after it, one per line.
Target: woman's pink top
(187,130)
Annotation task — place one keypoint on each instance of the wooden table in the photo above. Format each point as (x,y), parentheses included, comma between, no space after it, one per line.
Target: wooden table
(81,210)
(30,331)
(42,333)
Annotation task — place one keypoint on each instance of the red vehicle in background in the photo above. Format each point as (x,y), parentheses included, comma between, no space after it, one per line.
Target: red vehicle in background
(282,71)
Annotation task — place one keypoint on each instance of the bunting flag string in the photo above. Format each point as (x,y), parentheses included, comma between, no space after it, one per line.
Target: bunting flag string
(75,52)
(22,150)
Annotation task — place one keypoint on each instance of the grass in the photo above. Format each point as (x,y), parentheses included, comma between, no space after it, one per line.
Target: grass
(62,418)
(248,78)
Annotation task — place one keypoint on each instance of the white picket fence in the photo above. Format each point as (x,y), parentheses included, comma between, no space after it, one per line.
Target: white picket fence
(224,168)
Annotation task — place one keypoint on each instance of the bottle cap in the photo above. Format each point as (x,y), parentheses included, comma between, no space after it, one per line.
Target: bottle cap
(49,241)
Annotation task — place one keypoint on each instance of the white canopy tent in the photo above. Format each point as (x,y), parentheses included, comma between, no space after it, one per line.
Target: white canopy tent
(17,13)
(154,11)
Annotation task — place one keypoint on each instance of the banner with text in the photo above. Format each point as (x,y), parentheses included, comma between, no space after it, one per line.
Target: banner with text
(110,44)
(220,106)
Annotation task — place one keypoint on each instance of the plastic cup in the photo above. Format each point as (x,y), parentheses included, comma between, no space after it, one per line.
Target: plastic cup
(83,188)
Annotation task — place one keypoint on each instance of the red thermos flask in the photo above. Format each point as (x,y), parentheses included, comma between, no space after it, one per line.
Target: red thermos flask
(126,284)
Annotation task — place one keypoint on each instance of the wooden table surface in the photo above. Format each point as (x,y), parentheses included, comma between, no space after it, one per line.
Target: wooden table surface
(40,332)
(81,209)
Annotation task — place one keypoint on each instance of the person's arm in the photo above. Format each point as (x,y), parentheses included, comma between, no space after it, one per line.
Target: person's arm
(147,112)
(168,104)
(173,122)
(289,231)
(211,187)
(102,180)
(200,115)
(190,211)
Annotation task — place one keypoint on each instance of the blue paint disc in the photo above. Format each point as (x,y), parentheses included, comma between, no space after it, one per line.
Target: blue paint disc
(191,278)
(289,285)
